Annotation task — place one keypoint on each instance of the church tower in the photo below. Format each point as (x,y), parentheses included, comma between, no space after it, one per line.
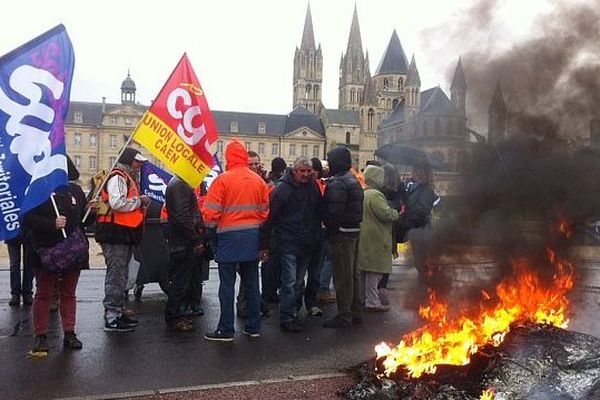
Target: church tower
(352,69)
(497,117)
(128,90)
(413,89)
(369,118)
(458,89)
(308,70)
(390,76)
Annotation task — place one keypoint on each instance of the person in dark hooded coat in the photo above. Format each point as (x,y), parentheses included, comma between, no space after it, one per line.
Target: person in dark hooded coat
(343,214)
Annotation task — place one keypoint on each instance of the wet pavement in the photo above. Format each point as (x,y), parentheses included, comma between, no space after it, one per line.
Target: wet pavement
(152,359)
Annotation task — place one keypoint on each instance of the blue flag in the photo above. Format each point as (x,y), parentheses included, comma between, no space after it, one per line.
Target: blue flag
(153,181)
(35,85)
(216,170)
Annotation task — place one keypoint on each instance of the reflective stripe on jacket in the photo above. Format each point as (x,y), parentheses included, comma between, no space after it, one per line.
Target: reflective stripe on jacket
(131,219)
(237,200)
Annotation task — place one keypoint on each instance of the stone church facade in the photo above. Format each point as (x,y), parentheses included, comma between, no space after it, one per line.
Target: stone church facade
(388,106)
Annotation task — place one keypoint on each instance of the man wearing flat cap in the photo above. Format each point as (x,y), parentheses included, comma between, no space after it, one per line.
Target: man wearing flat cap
(121,212)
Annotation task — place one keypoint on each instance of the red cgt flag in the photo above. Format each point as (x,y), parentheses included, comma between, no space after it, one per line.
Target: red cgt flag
(179,128)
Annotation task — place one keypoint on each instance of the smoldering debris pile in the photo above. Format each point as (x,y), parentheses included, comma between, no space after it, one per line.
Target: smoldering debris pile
(535,362)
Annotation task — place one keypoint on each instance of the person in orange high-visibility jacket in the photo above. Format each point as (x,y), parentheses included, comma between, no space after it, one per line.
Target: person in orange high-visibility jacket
(236,205)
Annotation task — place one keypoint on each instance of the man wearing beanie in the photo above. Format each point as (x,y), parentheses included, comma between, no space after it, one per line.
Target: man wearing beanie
(120,224)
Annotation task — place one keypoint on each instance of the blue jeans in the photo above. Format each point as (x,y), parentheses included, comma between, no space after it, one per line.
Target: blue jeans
(293,269)
(326,272)
(14,256)
(227,275)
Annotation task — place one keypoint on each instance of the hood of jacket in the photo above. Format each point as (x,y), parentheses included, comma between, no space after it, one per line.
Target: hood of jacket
(236,154)
(374,177)
(339,160)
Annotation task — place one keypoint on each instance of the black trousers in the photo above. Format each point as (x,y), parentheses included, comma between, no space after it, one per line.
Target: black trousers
(183,265)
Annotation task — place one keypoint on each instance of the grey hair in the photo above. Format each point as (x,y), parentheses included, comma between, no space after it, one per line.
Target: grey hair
(300,162)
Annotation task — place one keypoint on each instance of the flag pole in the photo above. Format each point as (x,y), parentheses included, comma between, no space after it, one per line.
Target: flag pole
(57,213)
(129,140)
(105,178)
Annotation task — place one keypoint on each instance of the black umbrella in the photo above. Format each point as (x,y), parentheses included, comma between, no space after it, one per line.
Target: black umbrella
(406,155)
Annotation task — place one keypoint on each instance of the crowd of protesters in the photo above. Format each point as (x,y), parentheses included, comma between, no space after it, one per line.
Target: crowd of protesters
(287,234)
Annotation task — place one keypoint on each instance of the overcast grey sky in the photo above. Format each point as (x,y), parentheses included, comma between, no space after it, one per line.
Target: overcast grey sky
(242,51)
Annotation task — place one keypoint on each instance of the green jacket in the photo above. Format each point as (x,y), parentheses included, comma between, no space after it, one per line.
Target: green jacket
(375,245)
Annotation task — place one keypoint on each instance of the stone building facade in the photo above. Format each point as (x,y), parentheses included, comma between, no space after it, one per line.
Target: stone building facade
(388,106)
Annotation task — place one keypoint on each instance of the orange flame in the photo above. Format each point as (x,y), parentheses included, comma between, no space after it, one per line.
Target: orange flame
(444,340)
(487,394)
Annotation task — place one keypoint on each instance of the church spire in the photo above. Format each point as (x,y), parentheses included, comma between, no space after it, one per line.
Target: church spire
(497,116)
(354,40)
(308,36)
(413,79)
(458,88)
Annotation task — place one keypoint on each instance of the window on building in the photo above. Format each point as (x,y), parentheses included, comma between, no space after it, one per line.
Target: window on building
(220,146)
(386,84)
(261,149)
(308,91)
(114,119)
(400,84)
(77,139)
(371,120)
(93,140)
(316,92)
(78,118)
(77,161)
(394,103)
(348,137)
(304,150)
(262,127)
(292,150)
(316,152)
(274,149)
(233,127)
(352,95)
(93,163)
(248,146)
(111,161)
(113,141)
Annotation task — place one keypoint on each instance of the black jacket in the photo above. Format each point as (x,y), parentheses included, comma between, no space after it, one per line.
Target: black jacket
(294,216)
(39,228)
(343,195)
(186,228)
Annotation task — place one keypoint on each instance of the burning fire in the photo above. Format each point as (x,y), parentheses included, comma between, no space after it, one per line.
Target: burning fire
(487,395)
(452,340)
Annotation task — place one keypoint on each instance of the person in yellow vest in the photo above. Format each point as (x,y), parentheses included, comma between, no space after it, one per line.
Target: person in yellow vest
(119,229)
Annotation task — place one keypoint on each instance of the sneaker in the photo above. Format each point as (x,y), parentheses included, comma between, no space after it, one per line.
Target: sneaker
(27,299)
(181,325)
(377,309)
(70,341)
(338,322)
(39,344)
(291,326)
(315,311)
(197,310)
(218,336)
(251,334)
(117,326)
(15,300)
(129,320)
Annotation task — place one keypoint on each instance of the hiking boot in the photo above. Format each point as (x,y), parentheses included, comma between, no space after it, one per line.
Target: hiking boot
(326,297)
(315,311)
(181,325)
(15,300)
(39,344)
(338,321)
(129,320)
(291,326)
(118,326)
(70,341)
(27,299)
(218,336)
(251,334)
